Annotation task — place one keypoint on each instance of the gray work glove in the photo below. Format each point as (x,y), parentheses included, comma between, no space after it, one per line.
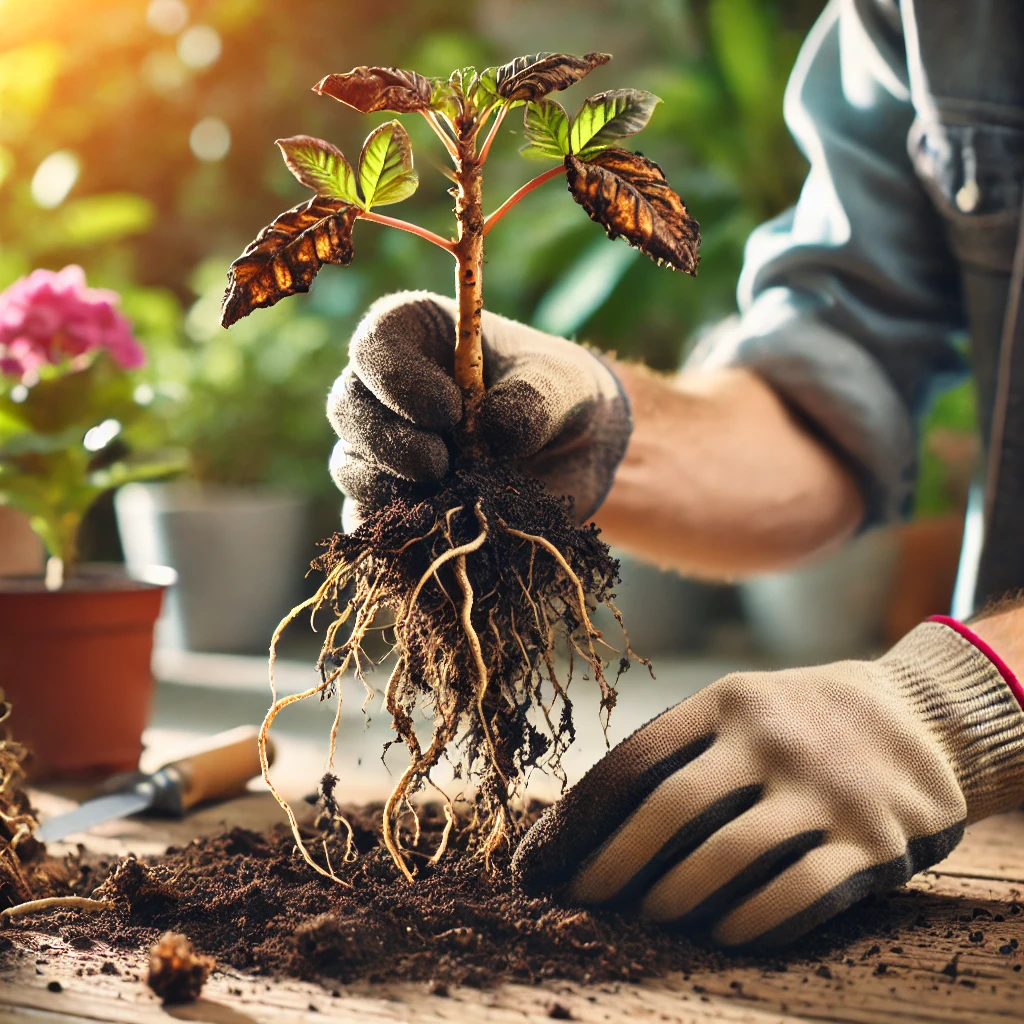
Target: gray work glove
(770,801)
(551,405)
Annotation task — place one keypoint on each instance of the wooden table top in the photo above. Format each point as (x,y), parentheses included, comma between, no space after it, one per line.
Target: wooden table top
(898,974)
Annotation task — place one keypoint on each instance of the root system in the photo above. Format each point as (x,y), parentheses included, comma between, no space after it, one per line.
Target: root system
(481,581)
(24,870)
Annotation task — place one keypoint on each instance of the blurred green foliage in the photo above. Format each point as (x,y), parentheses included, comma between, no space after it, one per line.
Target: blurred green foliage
(121,86)
(54,467)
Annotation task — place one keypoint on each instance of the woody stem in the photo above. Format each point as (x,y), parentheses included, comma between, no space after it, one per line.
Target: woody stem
(469,257)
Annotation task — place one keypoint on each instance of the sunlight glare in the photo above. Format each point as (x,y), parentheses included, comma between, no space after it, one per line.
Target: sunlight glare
(210,139)
(168,17)
(199,46)
(54,179)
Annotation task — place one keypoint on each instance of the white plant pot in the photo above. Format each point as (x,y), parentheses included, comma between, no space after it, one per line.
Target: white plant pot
(240,555)
(833,608)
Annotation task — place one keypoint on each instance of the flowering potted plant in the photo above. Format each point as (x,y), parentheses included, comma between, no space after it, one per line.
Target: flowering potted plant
(75,643)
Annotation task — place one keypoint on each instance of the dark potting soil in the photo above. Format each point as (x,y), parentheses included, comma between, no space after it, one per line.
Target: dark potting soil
(250,901)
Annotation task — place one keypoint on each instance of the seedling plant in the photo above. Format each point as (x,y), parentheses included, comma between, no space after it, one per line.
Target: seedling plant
(482,578)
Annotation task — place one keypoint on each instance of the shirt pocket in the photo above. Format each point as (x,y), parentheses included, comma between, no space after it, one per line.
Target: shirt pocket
(973,173)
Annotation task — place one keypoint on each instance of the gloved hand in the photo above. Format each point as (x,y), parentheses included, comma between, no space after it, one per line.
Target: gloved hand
(770,801)
(550,404)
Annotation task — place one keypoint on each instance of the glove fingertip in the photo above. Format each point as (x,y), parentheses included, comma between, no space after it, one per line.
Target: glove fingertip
(516,419)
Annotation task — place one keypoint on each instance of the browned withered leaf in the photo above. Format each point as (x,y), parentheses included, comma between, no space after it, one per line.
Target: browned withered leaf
(531,77)
(628,195)
(287,254)
(373,89)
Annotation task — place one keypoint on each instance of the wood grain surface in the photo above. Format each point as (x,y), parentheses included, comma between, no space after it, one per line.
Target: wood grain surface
(947,948)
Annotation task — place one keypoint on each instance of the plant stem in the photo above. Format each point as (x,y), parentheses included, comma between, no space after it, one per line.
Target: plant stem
(431,119)
(54,578)
(404,225)
(469,258)
(533,183)
(499,117)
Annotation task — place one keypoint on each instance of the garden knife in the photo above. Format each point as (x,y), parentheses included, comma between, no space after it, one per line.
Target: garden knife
(218,771)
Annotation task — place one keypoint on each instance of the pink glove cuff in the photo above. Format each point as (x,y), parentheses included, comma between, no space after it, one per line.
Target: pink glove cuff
(1016,688)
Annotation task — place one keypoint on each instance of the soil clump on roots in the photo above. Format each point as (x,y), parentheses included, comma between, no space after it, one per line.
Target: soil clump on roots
(480,582)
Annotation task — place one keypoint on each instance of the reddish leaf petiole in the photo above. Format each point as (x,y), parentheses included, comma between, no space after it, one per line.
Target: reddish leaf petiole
(404,225)
(533,183)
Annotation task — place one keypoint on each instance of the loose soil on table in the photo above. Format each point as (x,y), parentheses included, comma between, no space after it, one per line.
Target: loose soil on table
(250,902)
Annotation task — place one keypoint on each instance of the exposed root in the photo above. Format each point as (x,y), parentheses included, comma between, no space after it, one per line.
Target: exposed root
(481,581)
(24,871)
(56,903)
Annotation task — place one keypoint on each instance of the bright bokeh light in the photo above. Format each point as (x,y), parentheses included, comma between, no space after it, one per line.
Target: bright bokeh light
(199,46)
(210,139)
(168,17)
(164,72)
(54,179)
(143,394)
(97,438)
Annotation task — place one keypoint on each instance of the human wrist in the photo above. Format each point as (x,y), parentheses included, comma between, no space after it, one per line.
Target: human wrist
(966,694)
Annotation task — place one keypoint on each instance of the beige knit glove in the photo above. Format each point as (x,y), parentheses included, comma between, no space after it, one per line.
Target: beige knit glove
(770,801)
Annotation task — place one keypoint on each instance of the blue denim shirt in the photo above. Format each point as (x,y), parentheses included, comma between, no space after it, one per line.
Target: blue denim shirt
(852,303)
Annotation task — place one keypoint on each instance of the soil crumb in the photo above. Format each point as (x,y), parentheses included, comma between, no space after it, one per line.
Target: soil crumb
(176,972)
(250,901)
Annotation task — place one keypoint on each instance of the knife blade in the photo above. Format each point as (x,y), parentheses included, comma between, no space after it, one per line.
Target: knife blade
(218,770)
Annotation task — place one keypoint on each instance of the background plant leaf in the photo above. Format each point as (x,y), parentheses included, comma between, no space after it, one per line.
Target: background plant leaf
(370,89)
(546,126)
(628,195)
(532,77)
(287,254)
(386,172)
(606,117)
(320,166)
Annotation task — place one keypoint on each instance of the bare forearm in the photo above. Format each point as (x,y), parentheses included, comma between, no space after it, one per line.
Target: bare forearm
(720,480)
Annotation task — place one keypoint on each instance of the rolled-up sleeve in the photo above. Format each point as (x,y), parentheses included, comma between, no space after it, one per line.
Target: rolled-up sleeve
(849,302)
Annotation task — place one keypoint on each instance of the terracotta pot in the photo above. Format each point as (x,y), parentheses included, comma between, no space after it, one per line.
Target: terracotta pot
(75,666)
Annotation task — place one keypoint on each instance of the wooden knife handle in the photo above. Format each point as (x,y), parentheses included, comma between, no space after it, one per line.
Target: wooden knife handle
(221,769)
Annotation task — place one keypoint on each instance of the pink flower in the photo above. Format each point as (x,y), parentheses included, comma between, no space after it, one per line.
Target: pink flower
(50,316)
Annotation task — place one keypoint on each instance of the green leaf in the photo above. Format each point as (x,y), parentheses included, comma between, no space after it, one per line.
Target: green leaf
(606,117)
(98,219)
(320,166)
(385,166)
(482,90)
(546,127)
(129,471)
(745,43)
(445,98)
